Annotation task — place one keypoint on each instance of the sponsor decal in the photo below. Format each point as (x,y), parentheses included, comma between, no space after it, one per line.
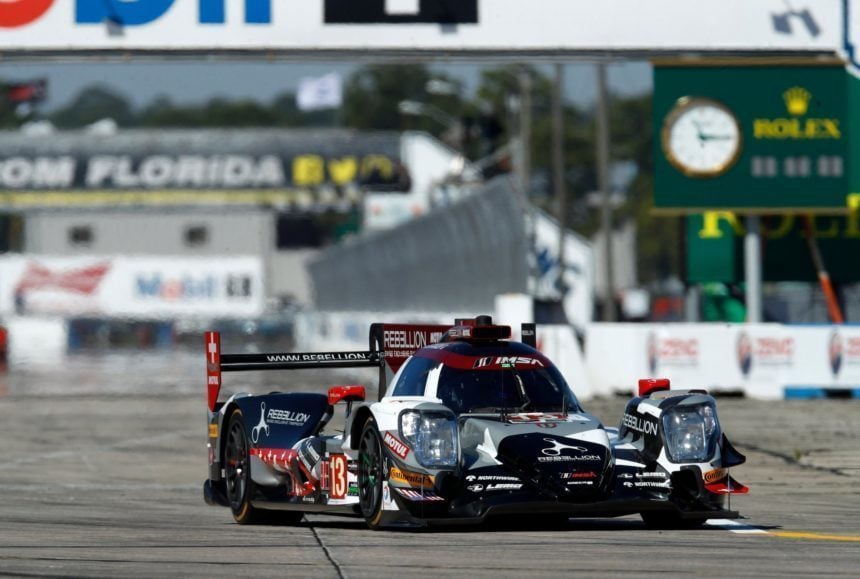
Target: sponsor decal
(797,126)
(213,431)
(414,479)
(497,362)
(555,453)
(397,447)
(338,465)
(557,447)
(660,475)
(321,357)
(583,475)
(546,424)
(287,417)
(649,484)
(16,13)
(639,424)
(83,281)
(543,418)
(261,426)
(491,477)
(503,487)
(495,486)
(773,351)
(671,352)
(715,475)
(418,496)
(352,491)
(409,339)
(176,289)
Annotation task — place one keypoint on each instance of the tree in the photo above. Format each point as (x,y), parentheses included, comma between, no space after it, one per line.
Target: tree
(373,93)
(92,104)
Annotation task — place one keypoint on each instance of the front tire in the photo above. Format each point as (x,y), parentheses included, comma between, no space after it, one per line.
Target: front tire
(371,471)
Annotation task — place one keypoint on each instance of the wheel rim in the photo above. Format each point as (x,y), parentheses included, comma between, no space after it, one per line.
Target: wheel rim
(369,473)
(236,467)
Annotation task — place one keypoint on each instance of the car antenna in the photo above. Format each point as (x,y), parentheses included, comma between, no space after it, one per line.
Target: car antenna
(563,404)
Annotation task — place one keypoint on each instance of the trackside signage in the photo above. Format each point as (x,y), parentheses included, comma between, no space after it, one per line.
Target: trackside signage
(296,169)
(131,287)
(761,360)
(421,25)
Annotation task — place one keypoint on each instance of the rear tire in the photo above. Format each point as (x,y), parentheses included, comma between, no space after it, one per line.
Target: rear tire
(670,520)
(237,471)
(237,477)
(371,471)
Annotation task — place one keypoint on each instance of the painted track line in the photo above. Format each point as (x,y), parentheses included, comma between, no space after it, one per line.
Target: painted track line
(735,527)
(742,529)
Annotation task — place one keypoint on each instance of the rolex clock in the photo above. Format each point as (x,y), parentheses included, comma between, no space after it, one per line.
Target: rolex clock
(701,137)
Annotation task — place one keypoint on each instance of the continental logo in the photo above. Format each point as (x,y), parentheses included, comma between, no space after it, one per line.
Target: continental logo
(796,126)
(715,475)
(413,479)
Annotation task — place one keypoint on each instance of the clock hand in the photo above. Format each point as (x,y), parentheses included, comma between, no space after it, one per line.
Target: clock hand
(704,137)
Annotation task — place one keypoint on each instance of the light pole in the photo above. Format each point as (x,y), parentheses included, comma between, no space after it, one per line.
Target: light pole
(419,109)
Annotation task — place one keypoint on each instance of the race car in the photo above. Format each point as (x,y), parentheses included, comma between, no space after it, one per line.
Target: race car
(468,425)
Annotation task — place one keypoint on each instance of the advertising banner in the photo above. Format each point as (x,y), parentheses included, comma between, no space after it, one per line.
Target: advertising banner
(769,361)
(131,287)
(494,26)
(762,139)
(715,247)
(294,169)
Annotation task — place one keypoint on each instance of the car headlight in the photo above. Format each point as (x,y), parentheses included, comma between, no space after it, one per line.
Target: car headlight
(433,437)
(690,433)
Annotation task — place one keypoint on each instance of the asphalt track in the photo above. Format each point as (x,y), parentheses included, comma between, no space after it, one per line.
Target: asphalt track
(108,484)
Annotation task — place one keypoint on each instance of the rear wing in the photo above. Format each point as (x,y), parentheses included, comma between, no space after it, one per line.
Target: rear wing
(390,346)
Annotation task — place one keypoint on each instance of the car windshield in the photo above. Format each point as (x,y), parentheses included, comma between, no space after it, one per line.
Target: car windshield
(505,390)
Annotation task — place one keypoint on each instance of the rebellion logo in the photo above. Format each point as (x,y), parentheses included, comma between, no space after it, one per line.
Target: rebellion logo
(639,424)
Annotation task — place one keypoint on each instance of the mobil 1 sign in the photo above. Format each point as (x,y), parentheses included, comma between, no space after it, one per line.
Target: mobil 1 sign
(752,138)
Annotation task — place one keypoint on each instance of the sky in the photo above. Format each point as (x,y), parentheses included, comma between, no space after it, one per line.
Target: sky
(192,82)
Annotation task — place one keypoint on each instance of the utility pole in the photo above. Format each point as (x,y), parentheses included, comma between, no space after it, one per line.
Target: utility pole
(559,188)
(602,126)
(525,127)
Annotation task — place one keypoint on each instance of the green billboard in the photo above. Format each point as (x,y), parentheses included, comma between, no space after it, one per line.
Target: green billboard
(715,247)
(754,138)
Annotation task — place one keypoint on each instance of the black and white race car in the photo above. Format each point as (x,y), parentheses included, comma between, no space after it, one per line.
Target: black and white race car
(471,425)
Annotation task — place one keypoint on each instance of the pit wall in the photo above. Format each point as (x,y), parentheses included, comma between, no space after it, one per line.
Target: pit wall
(765,361)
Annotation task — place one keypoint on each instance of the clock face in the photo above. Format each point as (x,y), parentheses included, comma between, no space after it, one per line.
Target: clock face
(701,137)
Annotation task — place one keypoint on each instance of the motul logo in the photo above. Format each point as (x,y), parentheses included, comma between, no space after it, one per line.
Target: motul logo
(397,447)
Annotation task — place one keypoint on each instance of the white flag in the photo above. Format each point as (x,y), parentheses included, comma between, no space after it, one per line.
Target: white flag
(324,92)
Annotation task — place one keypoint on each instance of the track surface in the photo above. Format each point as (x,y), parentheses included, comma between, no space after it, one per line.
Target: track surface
(98,484)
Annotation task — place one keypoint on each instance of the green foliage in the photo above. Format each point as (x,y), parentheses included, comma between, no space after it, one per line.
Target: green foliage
(371,102)
(92,104)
